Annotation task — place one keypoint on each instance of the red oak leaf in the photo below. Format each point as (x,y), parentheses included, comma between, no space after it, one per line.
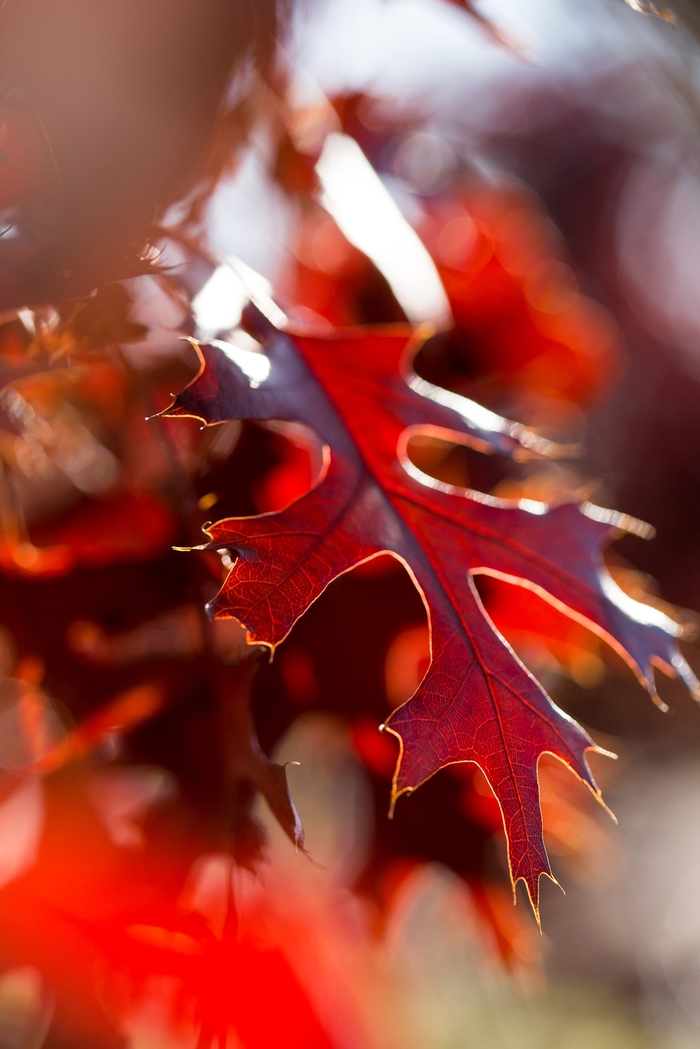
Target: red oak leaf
(477,702)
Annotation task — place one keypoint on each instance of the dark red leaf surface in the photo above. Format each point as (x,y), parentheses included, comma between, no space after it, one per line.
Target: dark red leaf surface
(477,701)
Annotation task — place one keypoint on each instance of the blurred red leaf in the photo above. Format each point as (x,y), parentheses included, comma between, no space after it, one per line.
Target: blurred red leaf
(133,526)
(519,315)
(477,701)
